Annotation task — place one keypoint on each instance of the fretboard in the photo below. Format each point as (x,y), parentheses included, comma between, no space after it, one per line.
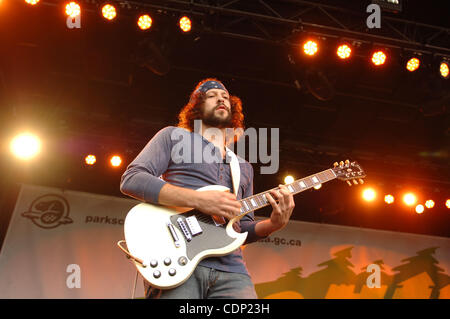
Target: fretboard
(259,200)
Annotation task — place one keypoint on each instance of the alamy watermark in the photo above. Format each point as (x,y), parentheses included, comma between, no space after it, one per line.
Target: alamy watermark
(374,19)
(73,23)
(74,278)
(373,280)
(258,146)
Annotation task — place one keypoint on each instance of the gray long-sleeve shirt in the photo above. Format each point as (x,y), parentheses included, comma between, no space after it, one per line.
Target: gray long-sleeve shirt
(173,156)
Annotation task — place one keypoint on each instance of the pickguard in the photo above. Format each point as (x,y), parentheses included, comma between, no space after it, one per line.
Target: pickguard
(212,236)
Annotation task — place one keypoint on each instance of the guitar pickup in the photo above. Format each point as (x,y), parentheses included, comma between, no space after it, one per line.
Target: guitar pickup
(193,225)
(184,229)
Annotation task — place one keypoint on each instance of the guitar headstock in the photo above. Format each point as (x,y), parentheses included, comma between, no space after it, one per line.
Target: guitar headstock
(349,171)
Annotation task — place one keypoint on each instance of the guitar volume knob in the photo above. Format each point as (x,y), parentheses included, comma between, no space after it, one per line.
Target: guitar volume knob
(182,261)
(156,274)
(172,271)
(167,261)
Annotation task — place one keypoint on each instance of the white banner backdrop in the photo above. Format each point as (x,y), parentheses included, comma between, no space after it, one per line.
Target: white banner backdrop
(62,244)
(56,237)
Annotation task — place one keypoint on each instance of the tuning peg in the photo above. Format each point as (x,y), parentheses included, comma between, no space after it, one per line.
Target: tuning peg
(355,182)
(347,163)
(361,181)
(335,164)
(341,164)
(349,183)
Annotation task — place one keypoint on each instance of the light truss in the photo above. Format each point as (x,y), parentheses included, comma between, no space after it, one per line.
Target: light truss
(277,22)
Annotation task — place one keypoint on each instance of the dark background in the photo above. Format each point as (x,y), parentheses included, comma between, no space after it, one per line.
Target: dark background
(102,89)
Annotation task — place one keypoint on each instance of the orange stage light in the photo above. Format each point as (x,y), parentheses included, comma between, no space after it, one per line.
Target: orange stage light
(413,64)
(429,203)
(369,194)
(90,159)
(288,179)
(344,51)
(378,58)
(409,199)
(389,199)
(144,22)
(310,48)
(444,70)
(109,12)
(185,24)
(73,9)
(419,209)
(116,161)
(32,2)
(25,146)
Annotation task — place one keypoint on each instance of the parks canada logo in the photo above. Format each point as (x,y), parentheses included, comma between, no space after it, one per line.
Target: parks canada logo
(49,211)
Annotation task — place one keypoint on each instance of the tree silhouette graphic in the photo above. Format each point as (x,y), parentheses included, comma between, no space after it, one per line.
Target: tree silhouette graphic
(418,273)
(337,272)
(316,285)
(289,281)
(423,262)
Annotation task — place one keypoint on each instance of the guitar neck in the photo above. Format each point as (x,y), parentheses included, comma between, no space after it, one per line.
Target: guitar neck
(259,200)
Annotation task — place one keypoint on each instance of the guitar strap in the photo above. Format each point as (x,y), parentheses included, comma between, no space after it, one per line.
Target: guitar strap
(235,171)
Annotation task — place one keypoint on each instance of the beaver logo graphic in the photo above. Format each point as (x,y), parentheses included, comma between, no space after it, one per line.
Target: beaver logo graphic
(49,211)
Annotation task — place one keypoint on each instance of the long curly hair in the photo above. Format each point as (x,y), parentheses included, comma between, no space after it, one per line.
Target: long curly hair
(192,110)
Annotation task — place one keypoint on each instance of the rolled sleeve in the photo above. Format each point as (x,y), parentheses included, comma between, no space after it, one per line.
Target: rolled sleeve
(141,178)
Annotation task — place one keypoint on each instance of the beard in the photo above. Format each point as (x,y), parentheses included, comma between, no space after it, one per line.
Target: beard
(211,119)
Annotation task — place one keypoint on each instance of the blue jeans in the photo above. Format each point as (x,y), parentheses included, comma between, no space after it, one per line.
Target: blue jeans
(207,283)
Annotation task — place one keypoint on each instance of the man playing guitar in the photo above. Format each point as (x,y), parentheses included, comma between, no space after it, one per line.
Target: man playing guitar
(216,276)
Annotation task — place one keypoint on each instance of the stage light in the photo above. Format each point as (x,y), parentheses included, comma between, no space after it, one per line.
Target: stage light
(185,24)
(389,199)
(429,203)
(318,186)
(116,161)
(447,203)
(409,199)
(144,22)
(419,209)
(310,48)
(73,9)
(378,58)
(289,179)
(90,159)
(32,2)
(369,194)
(444,70)
(413,64)
(109,12)
(25,146)
(344,51)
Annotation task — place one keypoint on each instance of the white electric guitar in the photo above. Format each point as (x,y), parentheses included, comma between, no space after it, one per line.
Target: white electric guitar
(167,243)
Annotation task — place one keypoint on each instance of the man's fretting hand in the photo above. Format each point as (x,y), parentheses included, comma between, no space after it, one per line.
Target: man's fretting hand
(282,210)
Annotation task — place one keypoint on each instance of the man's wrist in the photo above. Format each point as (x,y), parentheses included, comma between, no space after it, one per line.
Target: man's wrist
(265,227)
